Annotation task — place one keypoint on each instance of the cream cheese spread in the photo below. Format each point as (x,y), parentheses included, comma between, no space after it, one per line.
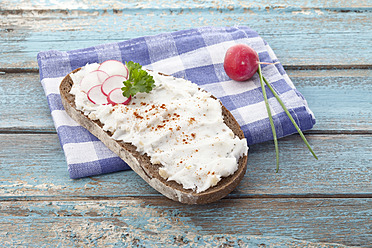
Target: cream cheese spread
(179,126)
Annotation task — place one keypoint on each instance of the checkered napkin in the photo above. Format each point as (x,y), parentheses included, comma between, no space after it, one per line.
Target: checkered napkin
(196,55)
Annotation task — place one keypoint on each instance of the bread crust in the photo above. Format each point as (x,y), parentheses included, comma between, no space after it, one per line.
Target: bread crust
(141,163)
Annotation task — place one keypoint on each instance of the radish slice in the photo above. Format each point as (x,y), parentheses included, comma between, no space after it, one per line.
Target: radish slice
(113,82)
(114,67)
(116,97)
(92,79)
(96,96)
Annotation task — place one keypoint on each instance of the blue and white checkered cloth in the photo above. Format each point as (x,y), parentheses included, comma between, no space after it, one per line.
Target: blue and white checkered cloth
(196,55)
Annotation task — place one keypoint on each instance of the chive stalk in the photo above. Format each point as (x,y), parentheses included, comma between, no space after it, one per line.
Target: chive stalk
(287,112)
(270,117)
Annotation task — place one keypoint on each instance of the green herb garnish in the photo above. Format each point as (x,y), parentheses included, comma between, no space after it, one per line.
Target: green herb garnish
(290,117)
(270,116)
(138,81)
(262,80)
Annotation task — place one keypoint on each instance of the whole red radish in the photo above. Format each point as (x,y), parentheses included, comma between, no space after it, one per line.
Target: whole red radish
(241,62)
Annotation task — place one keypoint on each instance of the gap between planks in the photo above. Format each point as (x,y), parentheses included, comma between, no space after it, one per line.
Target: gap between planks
(160,197)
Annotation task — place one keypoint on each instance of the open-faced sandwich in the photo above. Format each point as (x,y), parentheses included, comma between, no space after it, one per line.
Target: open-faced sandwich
(180,139)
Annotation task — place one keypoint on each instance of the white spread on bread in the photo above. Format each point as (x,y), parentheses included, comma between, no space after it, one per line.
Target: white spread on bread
(179,126)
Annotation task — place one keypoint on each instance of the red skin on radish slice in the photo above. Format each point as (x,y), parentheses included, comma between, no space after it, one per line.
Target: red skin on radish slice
(96,96)
(114,67)
(113,82)
(108,78)
(91,79)
(116,97)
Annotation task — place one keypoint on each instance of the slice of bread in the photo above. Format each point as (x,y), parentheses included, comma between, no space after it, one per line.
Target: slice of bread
(141,163)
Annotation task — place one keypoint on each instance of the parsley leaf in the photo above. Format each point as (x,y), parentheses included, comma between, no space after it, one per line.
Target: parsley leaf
(139,80)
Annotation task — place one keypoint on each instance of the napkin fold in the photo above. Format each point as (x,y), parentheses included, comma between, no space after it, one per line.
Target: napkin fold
(196,55)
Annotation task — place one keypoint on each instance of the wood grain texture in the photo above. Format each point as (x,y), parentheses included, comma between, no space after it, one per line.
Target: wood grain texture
(292,31)
(116,4)
(23,105)
(344,169)
(161,222)
(340,100)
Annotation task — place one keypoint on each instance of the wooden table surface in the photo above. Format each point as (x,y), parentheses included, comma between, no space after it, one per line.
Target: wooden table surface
(325,47)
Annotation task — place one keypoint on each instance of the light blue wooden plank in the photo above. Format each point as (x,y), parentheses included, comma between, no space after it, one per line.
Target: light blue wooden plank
(298,36)
(340,100)
(219,4)
(33,166)
(158,222)
(23,105)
